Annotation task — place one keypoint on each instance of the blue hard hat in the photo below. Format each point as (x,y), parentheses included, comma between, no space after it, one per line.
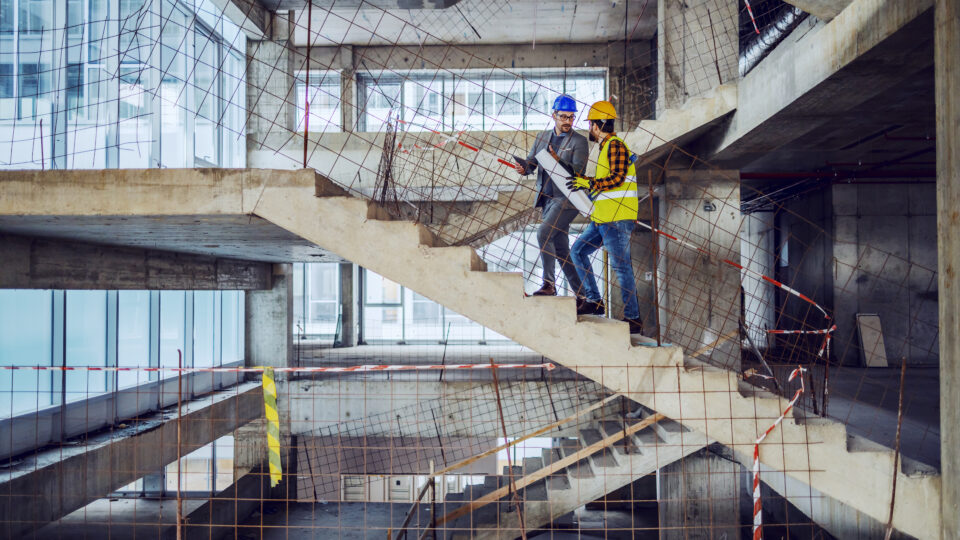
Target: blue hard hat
(564,103)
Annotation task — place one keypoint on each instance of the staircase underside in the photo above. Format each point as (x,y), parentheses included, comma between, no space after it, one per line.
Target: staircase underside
(702,398)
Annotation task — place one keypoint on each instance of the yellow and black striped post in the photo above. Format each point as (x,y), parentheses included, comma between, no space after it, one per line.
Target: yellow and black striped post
(273,426)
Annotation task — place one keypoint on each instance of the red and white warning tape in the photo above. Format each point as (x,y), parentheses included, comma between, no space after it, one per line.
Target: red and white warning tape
(757,506)
(315,369)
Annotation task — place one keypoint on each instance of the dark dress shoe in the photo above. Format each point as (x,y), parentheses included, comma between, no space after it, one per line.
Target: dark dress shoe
(548,289)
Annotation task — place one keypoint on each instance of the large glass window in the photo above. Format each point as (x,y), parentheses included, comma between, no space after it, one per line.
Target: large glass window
(86,343)
(139,83)
(133,336)
(324,101)
(472,100)
(393,313)
(203,333)
(172,321)
(232,326)
(26,339)
(208,469)
(206,98)
(382,308)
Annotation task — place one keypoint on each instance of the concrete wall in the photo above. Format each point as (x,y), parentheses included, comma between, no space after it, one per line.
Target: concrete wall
(700,294)
(697,48)
(700,498)
(867,248)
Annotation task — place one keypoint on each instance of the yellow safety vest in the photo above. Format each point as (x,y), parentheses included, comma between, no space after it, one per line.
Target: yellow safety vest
(619,203)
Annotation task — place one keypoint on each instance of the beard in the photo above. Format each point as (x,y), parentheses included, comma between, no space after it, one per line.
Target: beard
(593,138)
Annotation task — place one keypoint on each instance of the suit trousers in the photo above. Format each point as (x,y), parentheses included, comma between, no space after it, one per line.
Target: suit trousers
(553,237)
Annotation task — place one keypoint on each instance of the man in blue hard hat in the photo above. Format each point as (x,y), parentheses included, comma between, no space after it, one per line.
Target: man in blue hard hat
(570,147)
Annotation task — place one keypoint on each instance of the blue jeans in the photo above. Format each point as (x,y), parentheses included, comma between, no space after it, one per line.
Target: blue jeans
(615,238)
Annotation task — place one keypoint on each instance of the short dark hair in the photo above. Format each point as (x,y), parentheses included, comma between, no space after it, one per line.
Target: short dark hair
(606,126)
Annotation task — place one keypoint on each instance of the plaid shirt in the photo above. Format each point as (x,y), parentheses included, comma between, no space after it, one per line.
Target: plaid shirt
(619,165)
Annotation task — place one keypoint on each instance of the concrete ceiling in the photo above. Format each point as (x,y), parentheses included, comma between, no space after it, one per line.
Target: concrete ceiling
(284,5)
(875,114)
(233,237)
(482,22)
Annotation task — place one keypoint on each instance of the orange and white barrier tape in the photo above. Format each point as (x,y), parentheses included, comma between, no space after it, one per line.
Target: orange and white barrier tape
(757,506)
(314,369)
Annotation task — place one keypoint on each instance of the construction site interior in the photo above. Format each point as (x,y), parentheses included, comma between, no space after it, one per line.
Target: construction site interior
(267,270)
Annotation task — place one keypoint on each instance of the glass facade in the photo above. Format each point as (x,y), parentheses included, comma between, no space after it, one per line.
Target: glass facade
(324,101)
(108,328)
(392,313)
(472,100)
(316,299)
(84,85)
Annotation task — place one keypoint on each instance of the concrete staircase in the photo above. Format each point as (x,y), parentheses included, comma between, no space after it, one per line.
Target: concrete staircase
(714,402)
(703,398)
(558,495)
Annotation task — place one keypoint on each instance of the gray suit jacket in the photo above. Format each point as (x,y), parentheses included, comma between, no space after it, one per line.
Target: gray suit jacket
(573,151)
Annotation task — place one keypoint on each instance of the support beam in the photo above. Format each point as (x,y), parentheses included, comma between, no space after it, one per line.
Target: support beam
(45,486)
(947,62)
(42,263)
(822,9)
(807,82)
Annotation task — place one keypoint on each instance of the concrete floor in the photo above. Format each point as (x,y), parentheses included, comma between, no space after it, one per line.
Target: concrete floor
(866,400)
(354,521)
(119,519)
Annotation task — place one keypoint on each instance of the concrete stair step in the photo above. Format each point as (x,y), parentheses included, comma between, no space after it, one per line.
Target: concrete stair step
(558,480)
(604,456)
(624,446)
(536,491)
(580,469)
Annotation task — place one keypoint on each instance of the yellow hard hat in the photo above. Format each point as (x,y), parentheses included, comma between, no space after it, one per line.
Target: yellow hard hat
(602,110)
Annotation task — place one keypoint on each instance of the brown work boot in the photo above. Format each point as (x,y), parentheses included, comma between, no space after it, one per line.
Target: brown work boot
(591,308)
(548,289)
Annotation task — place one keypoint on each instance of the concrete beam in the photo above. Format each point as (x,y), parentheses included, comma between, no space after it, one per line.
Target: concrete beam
(807,82)
(822,9)
(252,18)
(947,61)
(50,484)
(41,263)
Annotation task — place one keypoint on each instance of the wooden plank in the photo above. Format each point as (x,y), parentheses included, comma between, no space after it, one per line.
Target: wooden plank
(546,471)
(871,340)
(540,431)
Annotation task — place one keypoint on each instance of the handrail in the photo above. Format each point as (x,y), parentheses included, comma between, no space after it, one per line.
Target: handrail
(402,533)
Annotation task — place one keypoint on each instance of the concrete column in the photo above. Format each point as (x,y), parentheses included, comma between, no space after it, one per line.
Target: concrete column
(699,294)
(947,64)
(269,321)
(699,498)
(697,48)
(349,305)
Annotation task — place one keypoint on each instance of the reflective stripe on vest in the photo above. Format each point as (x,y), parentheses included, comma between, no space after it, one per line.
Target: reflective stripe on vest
(619,203)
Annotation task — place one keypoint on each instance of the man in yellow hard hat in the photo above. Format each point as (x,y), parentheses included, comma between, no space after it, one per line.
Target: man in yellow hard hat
(615,206)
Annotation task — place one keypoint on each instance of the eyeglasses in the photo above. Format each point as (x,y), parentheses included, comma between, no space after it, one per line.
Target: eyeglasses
(566,117)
